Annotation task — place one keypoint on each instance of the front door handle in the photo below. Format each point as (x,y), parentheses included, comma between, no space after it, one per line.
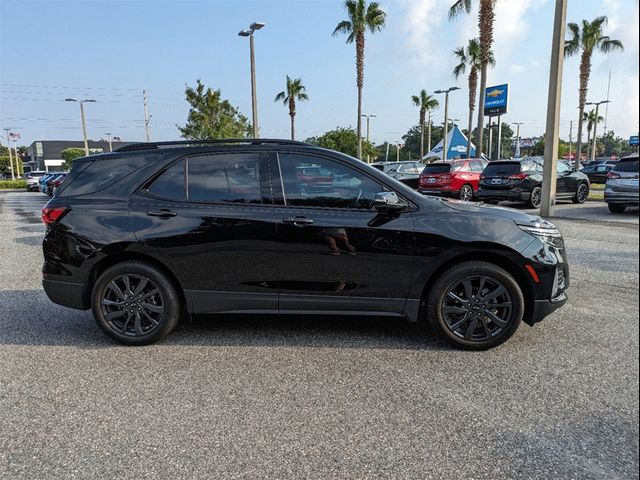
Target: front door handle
(298,221)
(163,213)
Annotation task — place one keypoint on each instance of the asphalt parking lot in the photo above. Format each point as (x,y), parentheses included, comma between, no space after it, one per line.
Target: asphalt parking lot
(322,398)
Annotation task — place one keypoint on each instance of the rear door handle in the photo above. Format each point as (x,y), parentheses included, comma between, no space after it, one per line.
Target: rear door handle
(298,221)
(161,213)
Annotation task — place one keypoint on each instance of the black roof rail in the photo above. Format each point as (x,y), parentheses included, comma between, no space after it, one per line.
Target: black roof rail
(196,143)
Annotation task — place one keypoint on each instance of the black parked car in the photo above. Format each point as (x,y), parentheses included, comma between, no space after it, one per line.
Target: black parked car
(597,173)
(521,181)
(153,231)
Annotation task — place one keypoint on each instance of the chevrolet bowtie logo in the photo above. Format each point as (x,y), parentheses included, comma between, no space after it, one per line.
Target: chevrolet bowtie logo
(495,93)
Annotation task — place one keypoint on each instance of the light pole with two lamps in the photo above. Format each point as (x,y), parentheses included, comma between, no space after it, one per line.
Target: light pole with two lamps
(84,123)
(446,118)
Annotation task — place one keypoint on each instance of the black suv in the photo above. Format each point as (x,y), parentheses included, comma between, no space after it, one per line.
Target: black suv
(151,232)
(521,181)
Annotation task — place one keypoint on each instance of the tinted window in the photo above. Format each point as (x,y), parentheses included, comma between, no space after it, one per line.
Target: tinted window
(99,174)
(477,167)
(224,178)
(170,184)
(563,167)
(436,168)
(628,166)
(320,182)
(498,169)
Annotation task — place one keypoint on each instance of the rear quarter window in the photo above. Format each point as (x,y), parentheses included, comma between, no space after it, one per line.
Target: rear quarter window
(98,175)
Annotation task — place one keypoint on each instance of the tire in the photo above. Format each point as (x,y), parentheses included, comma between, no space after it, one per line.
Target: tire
(150,316)
(582,194)
(535,200)
(473,324)
(616,208)
(466,193)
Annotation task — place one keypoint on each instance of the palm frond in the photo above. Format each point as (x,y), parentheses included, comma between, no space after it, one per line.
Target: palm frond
(461,6)
(343,27)
(607,45)
(281,97)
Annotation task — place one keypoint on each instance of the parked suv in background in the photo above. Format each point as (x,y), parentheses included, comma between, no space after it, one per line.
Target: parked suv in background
(621,190)
(521,181)
(32,180)
(458,178)
(153,231)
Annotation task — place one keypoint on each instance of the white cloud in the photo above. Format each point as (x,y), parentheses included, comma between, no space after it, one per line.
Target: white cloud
(421,20)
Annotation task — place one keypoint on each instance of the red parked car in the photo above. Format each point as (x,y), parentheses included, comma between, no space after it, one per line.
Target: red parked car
(457,178)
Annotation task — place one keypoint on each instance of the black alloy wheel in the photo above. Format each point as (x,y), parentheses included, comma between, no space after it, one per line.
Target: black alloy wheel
(135,303)
(476,305)
(466,193)
(582,194)
(536,197)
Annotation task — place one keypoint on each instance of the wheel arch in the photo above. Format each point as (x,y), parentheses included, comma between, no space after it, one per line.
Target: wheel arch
(510,266)
(120,257)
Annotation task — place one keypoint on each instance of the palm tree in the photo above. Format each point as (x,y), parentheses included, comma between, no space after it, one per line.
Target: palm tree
(470,57)
(361,17)
(486,19)
(295,91)
(425,102)
(591,120)
(587,38)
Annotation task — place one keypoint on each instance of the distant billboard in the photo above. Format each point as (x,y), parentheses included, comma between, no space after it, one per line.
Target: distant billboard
(634,140)
(496,100)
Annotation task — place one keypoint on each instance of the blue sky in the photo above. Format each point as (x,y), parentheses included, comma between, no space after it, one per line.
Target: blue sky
(111,50)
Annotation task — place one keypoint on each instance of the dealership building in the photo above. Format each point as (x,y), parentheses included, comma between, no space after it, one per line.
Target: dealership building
(47,154)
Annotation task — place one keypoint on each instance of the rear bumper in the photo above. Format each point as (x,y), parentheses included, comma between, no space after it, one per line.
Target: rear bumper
(511,195)
(72,295)
(622,198)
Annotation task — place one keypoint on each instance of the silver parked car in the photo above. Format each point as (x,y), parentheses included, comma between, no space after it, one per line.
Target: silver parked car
(622,185)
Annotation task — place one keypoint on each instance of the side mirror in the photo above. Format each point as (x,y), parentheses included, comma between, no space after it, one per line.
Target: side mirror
(388,202)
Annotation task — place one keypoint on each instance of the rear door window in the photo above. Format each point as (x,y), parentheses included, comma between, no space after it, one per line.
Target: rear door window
(228,178)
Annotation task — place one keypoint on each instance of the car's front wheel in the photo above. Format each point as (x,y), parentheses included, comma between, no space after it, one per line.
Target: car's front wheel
(135,303)
(476,305)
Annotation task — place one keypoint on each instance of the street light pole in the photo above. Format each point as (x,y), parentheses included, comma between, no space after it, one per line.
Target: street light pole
(595,127)
(109,139)
(552,141)
(84,123)
(517,124)
(446,119)
(8,132)
(147,117)
(254,100)
(368,117)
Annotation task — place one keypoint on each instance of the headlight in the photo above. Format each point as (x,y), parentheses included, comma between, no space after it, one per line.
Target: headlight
(546,231)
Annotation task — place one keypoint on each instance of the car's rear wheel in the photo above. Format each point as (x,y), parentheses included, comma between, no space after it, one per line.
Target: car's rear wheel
(466,193)
(582,194)
(536,198)
(135,303)
(476,305)
(616,208)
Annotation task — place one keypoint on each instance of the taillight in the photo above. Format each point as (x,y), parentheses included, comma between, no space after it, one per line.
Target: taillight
(51,215)
(483,177)
(613,175)
(519,176)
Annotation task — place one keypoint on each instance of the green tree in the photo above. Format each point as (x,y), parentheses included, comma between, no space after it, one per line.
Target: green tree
(361,17)
(587,38)
(592,120)
(294,90)
(470,57)
(70,154)
(486,20)
(4,163)
(343,140)
(610,144)
(210,116)
(426,103)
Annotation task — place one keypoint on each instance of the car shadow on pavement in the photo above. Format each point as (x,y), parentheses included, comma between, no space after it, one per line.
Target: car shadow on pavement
(27,317)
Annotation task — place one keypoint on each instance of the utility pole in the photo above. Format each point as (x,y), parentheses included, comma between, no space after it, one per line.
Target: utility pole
(8,132)
(84,123)
(517,124)
(445,147)
(606,112)
(147,117)
(595,127)
(386,157)
(499,149)
(368,117)
(254,101)
(109,139)
(397,152)
(552,141)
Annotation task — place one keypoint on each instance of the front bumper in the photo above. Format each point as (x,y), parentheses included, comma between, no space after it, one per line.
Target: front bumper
(544,308)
